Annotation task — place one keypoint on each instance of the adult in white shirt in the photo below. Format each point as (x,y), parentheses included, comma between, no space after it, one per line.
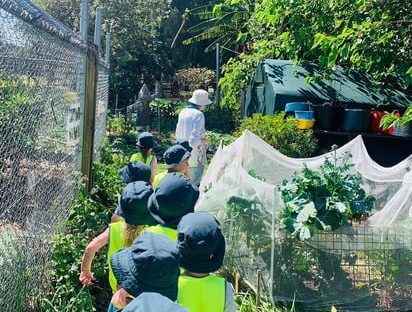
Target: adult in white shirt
(191,127)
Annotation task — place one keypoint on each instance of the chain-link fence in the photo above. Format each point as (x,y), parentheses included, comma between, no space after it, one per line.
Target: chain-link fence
(41,90)
(101,107)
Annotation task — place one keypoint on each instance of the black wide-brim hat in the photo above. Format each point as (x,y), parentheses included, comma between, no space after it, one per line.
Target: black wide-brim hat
(146,140)
(135,171)
(174,197)
(200,242)
(185,144)
(151,264)
(133,203)
(153,302)
(175,155)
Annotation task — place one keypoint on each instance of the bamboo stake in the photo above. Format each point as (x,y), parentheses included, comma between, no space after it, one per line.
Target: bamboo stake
(259,273)
(237,282)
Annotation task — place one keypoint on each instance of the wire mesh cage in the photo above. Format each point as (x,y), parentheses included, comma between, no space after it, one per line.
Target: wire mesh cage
(41,77)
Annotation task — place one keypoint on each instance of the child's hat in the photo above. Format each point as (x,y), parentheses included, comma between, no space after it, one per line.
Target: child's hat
(151,264)
(175,155)
(146,140)
(133,204)
(153,302)
(200,242)
(174,197)
(185,144)
(135,171)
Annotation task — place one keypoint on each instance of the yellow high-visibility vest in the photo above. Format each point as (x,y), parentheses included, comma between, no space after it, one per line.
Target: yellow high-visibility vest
(116,242)
(139,157)
(158,177)
(162,230)
(202,294)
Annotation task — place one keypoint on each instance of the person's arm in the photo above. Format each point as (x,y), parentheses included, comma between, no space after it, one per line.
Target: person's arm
(153,166)
(198,129)
(86,276)
(230,304)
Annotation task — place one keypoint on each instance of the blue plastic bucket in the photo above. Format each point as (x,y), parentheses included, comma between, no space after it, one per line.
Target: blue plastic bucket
(297,106)
(306,115)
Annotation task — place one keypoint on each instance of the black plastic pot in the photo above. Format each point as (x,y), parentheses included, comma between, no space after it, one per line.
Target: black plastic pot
(355,120)
(325,116)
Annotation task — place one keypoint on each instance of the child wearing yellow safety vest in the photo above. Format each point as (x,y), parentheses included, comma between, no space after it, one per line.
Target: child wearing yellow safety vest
(201,247)
(132,172)
(151,264)
(133,208)
(177,160)
(174,197)
(146,143)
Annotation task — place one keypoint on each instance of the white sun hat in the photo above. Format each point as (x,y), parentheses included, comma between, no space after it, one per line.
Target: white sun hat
(200,97)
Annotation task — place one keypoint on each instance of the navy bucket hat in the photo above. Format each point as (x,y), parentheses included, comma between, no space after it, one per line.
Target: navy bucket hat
(185,144)
(135,171)
(175,155)
(200,242)
(174,197)
(151,264)
(146,140)
(153,302)
(133,204)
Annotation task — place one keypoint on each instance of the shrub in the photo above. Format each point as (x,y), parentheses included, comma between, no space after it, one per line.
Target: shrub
(189,79)
(282,134)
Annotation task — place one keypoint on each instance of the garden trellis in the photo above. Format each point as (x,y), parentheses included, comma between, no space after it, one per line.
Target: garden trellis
(42,86)
(363,267)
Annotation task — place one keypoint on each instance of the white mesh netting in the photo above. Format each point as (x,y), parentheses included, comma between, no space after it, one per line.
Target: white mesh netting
(363,267)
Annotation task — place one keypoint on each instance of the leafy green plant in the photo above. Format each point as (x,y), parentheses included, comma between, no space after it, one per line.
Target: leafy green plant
(394,119)
(324,199)
(215,139)
(66,299)
(282,134)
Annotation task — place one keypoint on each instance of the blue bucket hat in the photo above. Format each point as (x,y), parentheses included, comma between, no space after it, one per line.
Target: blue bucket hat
(174,197)
(153,302)
(135,171)
(133,204)
(175,155)
(146,140)
(185,144)
(151,264)
(200,242)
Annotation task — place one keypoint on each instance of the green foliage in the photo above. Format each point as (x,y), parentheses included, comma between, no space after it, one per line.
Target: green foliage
(247,303)
(393,119)
(189,79)
(282,134)
(223,120)
(324,199)
(249,223)
(369,36)
(224,22)
(66,299)
(215,139)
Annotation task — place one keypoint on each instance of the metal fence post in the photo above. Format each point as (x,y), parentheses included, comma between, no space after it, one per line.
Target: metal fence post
(108,46)
(97,28)
(84,23)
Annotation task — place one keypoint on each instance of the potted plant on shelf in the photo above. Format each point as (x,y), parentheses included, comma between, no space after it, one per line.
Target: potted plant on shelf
(324,199)
(402,124)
